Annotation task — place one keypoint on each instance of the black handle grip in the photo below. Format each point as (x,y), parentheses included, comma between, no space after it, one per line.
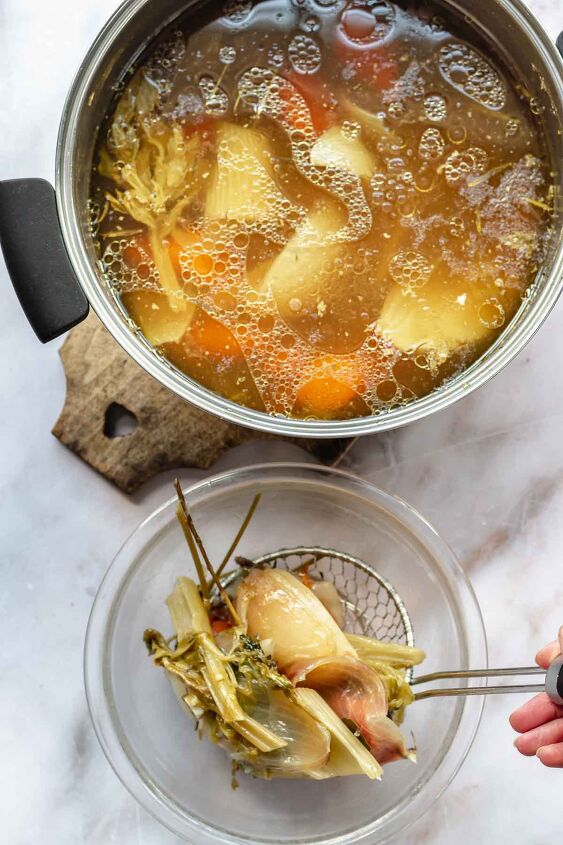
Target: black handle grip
(37,259)
(554,681)
(560,44)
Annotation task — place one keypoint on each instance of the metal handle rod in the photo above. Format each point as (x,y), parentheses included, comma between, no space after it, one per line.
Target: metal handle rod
(479,673)
(436,693)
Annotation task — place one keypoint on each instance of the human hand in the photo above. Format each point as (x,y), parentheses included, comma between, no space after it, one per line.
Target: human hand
(540,721)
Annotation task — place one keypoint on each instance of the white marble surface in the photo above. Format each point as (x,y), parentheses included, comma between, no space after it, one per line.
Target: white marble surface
(488,473)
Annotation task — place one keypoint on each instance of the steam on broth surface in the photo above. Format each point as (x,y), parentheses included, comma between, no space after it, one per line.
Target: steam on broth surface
(321,209)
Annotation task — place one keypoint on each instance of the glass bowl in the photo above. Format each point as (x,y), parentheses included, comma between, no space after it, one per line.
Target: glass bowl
(151,743)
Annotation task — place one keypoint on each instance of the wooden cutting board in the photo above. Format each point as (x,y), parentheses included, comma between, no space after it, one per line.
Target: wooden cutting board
(128,427)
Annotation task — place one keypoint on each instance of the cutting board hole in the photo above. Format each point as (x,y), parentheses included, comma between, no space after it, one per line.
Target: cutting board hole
(119,421)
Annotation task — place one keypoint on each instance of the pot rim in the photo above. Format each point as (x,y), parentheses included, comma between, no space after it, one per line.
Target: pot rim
(506,347)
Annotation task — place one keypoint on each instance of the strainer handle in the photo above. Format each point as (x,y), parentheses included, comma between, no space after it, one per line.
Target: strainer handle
(552,684)
(36,258)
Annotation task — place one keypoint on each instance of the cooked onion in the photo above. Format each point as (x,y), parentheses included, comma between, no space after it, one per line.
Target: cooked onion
(327,593)
(308,742)
(275,605)
(357,694)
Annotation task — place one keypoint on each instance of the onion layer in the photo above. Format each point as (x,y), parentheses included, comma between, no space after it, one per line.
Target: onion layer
(357,694)
(274,605)
(307,742)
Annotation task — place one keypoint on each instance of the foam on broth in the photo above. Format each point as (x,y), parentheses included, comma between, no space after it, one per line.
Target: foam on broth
(321,209)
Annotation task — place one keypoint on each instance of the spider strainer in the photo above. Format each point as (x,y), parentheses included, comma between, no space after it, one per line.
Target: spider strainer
(372,605)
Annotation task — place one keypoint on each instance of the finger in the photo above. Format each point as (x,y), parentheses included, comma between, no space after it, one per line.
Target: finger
(548,653)
(548,734)
(552,755)
(534,713)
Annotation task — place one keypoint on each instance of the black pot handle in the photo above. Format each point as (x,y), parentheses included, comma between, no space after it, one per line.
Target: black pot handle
(37,259)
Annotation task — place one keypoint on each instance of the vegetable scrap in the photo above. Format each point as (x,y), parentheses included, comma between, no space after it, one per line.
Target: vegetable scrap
(260,658)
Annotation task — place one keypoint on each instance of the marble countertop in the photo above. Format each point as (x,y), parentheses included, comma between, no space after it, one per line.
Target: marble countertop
(487,472)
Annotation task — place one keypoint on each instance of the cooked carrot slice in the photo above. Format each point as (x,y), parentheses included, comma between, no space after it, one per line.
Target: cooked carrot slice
(324,395)
(135,254)
(220,625)
(213,338)
(371,64)
(318,98)
(203,123)
(306,579)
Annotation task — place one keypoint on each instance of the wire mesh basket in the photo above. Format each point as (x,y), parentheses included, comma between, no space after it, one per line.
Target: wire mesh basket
(372,606)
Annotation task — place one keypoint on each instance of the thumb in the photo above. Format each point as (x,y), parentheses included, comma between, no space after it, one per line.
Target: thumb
(548,653)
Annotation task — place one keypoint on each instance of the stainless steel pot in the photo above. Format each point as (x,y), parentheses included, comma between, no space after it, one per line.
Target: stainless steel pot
(46,276)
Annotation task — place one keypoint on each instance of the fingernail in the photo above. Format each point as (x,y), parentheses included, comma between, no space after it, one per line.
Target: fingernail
(539,751)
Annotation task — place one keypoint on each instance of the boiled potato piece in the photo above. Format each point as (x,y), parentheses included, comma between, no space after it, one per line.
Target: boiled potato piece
(441,316)
(336,149)
(242,186)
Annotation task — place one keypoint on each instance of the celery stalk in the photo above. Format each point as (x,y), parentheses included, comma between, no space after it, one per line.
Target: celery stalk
(180,614)
(398,656)
(190,592)
(190,617)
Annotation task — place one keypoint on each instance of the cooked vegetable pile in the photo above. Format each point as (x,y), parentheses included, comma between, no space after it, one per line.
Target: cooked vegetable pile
(268,672)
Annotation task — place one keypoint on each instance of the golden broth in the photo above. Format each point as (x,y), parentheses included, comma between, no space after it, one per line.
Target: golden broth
(321,209)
